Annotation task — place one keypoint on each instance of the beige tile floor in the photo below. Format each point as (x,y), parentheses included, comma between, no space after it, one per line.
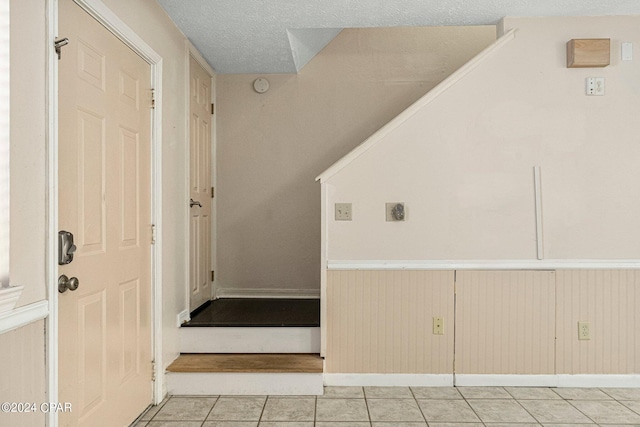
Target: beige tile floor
(405,407)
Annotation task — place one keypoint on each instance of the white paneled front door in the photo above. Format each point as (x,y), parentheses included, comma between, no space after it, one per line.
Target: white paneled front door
(105,362)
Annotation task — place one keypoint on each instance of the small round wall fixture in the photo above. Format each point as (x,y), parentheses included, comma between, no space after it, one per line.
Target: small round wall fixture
(261,85)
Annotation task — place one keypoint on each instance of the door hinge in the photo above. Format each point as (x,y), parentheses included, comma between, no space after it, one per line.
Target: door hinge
(153,98)
(153,234)
(153,370)
(213,275)
(58,44)
(213,193)
(213,109)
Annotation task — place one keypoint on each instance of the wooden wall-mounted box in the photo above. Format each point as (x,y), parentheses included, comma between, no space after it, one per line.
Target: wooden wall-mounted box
(583,53)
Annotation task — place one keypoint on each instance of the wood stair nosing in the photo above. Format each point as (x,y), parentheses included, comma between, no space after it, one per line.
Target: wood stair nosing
(248,363)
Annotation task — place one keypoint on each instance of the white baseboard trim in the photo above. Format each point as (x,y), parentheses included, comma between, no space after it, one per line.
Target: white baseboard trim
(561,380)
(488,380)
(246,384)
(183,317)
(389,380)
(22,316)
(267,293)
(604,381)
(249,340)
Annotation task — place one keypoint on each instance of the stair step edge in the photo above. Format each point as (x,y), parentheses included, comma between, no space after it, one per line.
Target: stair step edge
(248,363)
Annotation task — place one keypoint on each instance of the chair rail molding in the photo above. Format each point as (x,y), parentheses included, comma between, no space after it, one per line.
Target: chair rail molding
(547,264)
(22,316)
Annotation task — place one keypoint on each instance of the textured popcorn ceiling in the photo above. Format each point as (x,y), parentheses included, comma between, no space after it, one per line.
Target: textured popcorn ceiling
(280,36)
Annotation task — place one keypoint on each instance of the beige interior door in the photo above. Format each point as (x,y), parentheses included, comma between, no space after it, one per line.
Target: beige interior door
(105,363)
(200,185)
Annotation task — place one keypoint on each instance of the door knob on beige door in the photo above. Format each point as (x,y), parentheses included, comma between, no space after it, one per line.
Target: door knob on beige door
(192,203)
(65,283)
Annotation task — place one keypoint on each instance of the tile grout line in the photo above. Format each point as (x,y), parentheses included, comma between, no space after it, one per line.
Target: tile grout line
(210,410)
(632,410)
(604,391)
(264,405)
(521,405)
(620,400)
(159,409)
(525,409)
(577,409)
(573,406)
(366,404)
(599,400)
(471,407)
(419,408)
(315,409)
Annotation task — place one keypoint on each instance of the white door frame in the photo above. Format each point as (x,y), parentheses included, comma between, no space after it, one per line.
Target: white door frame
(191,50)
(98,10)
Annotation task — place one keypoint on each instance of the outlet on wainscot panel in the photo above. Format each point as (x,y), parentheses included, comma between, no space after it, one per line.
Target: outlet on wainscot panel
(583,331)
(438,326)
(343,211)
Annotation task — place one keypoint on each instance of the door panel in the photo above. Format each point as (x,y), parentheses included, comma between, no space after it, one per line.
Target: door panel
(92,343)
(105,364)
(200,184)
(91,206)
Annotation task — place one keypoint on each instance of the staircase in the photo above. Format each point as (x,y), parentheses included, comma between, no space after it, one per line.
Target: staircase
(250,347)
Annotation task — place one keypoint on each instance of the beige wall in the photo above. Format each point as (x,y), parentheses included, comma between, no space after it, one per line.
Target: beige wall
(22,374)
(271,146)
(463,163)
(28,149)
(22,371)
(506,322)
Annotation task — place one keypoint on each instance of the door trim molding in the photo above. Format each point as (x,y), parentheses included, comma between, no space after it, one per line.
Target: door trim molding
(51,262)
(106,17)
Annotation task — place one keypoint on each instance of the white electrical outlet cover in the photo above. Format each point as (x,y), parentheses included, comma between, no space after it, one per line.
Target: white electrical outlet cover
(594,86)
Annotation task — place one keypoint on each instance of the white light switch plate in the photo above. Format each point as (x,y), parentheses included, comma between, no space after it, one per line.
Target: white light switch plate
(627,51)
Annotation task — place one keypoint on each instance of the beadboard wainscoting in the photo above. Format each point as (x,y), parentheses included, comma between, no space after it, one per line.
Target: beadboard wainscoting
(23,373)
(381,322)
(505,322)
(502,327)
(608,300)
